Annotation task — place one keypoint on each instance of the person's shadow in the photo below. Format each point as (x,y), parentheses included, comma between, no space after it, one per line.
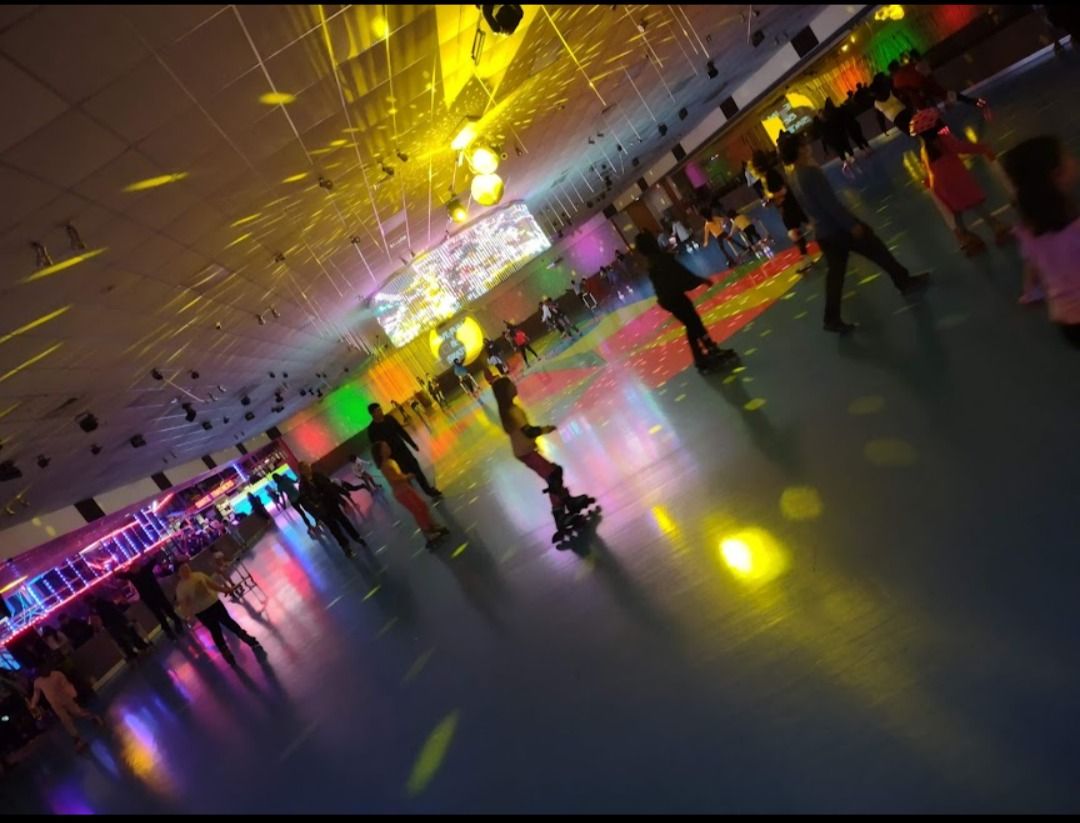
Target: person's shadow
(475,571)
(781,447)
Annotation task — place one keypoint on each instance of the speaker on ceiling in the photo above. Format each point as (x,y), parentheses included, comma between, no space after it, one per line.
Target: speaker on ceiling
(641,184)
(805,41)
(610,211)
(89,509)
(678,152)
(161,481)
(729,107)
(240,447)
(138,441)
(209,461)
(274,433)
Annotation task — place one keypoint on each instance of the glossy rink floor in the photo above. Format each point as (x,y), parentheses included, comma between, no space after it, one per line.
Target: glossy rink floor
(843,580)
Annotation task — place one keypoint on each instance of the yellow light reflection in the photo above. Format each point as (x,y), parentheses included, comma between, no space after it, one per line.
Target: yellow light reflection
(154,182)
(295,178)
(801,503)
(890,453)
(432,754)
(277,98)
(33,324)
(754,556)
(465,136)
(380,28)
(63,265)
(247,219)
(141,754)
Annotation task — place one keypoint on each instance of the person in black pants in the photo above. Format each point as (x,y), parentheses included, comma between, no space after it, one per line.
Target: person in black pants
(671,280)
(393,434)
(116,623)
(287,486)
(839,233)
(144,580)
(197,594)
(325,498)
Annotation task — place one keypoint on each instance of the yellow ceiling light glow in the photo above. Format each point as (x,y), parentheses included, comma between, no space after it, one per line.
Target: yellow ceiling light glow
(893,12)
(753,556)
(27,364)
(467,132)
(247,219)
(295,178)
(33,324)
(155,182)
(483,160)
(277,98)
(487,189)
(63,265)
(380,28)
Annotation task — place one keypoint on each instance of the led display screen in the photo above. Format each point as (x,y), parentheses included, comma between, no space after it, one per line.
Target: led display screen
(438,284)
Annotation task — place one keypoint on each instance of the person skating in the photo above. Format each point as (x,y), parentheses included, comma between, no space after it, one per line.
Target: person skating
(142,578)
(405,494)
(566,508)
(258,508)
(719,226)
(834,135)
(671,280)
(60,693)
(197,594)
(520,340)
(465,379)
(1044,176)
(839,233)
(363,474)
(391,432)
(288,487)
(791,213)
(325,499)
(950,181)
(119,628)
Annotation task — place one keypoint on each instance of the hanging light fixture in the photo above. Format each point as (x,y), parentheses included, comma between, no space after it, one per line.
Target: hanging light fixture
(456,211)
(483,160)
(487,189)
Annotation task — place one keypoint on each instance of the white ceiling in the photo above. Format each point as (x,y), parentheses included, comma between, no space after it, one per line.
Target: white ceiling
(99,97)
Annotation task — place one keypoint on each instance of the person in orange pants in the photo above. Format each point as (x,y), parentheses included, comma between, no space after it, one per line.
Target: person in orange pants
(406,495)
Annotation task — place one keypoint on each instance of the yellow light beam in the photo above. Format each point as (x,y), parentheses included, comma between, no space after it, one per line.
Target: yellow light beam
(56,268)
(154,182)
(432,754)
(33,324)
(27,364)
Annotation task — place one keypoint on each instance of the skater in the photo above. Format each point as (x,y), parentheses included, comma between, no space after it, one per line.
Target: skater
(401,485)
(834,135)
(839,233)
(288,488)
(436,392)
(791,213)
(197,595)
(517,337)
(467,381)
(1044,175)
(390,432)
(325,498)
(567,509)
(671,280)
(720,227)
(59,693)
(950,181)
(363,474)
(746,226)
(116,623)
(142,578)
(849,113)
(258,508)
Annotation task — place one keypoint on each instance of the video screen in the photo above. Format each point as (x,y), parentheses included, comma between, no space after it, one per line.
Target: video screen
(439,283)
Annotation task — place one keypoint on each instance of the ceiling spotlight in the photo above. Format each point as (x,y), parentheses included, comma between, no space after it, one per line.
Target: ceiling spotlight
(634,162)
(618,147)
(245,401)
(194,375)
(285,375)
(274,312)
(261,319)
(43,259)
(710,69)
(456,211)
(466,134)
(662,128)
(325,184)
(206,424)
(138,441)
(249,415)
(518,150)
(95,449)
(483,160)
(642,25)
(319,393)
(503,19)
(279,257)
(156,374)
(87,422)
(388,170)
(279,398)
(487,189)
(355,240)
(402,156)
(73,238)
(9,471)
(189,412)
(42,461)
(303,392)
(225,421)
(272,375)
(683,113)
(757,38)
(592,142)
(218,326)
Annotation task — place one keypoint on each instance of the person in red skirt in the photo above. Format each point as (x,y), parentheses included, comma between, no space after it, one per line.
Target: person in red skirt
(951,182)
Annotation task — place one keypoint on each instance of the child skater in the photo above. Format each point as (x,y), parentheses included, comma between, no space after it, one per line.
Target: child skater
(405,494)
(60,693)
(1044,175)
(564,506)
(950,181)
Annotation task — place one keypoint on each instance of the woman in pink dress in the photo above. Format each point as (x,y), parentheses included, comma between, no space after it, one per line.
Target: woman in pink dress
(950,181)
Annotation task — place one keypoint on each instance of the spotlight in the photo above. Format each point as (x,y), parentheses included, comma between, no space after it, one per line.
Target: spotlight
(137,441)
(683,113)
(9,471)
(194,375)
(189,412)
(303,392)
(284,375)
(272,375)
(245,401)
(466,134)
(279,257)
(402,156)
(662,128)
(217,326)
(355,240)
(274,312)
(487,189)
(261,319)
(225,421)
(249,415)
(710,69)
(456,211)
(592,142)
(325,184)
(278,398)
(87,422)
(483,160)
(43,259)
(634,162)
(156,374)
(95,449)
(77,244)
(503,19)
(42,461)
(757,38)
(388,170)
(518,150)
(206,424)
(319,393)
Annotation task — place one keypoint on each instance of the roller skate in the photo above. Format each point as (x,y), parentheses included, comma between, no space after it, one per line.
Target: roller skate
(970,244)
(716,358)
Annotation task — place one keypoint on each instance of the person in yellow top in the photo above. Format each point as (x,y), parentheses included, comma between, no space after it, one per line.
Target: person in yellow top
(197,595)
(401,485)
(746,226)
(565,507)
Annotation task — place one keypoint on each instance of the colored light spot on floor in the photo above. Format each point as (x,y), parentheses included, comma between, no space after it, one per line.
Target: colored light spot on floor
(801,315)
(889,452)
(458,551)
(417,666)
(472,500)
(749,351)
(731,378)
(868,404)
(432,754)
(766,333)
(387,627)
(738,370)
(754,404)
(655,429)
(753,556)
(680,398)
(800,503)
(870,278)
(848,295)
(372,593)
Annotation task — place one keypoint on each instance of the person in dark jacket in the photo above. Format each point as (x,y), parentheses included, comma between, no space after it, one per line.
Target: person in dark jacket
(671,280)
(325,499)
(118,626)
(393,434)
(287,487)
(142,577)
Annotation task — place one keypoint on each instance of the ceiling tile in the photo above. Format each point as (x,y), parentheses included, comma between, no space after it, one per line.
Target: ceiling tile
(22,196)
(140,101)
(29,104)
(211,56)
(65,151)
